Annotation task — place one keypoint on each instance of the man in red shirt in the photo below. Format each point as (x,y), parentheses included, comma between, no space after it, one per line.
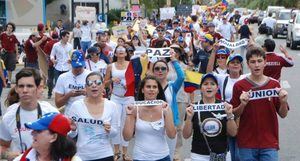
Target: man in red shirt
(258,129)
(212,31)
(161,41)
(275,62)
(9,49)
(47,49)
(30,51)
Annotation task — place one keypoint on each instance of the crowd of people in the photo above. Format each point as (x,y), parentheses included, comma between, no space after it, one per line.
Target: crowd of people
(96,83)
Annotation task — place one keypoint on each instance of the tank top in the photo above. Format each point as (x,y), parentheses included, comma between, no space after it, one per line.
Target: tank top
(150,139)
(168,94)
(118,88)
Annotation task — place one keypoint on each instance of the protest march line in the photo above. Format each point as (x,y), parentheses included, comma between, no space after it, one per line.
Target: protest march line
(208,107)
(261,94)
(148,103)
(233,45)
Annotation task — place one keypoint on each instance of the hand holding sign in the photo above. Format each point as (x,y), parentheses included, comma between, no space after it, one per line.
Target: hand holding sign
(228,108)
(129,110)
(245,97)
(73,125)
(189,112)
(165,108)
(107,127)
(283,95)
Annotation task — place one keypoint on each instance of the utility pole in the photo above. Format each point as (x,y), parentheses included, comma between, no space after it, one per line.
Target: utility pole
(169,2)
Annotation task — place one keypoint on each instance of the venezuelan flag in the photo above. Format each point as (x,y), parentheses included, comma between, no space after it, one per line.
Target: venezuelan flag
(192,81)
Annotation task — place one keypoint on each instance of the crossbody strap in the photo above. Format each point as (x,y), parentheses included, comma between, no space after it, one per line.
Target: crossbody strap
(201,130)
(224,87)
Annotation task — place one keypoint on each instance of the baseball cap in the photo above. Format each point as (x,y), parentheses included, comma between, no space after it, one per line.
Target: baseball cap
(234,56)
(77,59)
(208,75)
(222,52)
(175,21)
(207,38)
(36,34)
(211,24)
(51,121)
(40,27)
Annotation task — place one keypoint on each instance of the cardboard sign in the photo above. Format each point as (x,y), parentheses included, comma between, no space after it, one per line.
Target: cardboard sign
(261,94)
(85,13)
(158,52)
(167,13)
(208,107)
(148,103)
(233,45)
(119,31)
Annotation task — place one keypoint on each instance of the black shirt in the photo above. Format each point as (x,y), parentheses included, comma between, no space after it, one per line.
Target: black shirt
(214,130)
(245,32)
(200,60)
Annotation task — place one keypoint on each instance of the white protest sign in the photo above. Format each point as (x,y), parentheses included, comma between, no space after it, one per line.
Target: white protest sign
(158,52)
(261,94)
(233,45)
(85,13)
(119,31)
(208,107)
(167,13)
(148,103)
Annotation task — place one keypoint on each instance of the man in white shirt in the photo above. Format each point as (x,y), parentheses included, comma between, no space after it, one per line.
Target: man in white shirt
(70,86)
(269,21)
(226,30)
(14,137)
(60,55)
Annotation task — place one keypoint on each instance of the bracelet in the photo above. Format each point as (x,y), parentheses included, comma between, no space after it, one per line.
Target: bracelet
(230,117)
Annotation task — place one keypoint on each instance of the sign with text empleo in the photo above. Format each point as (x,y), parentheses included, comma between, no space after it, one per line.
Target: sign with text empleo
(233,45)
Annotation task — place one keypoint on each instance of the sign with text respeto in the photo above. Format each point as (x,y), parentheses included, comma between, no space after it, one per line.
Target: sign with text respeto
(233,45)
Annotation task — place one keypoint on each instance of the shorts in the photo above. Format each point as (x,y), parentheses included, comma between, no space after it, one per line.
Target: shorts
(9,60)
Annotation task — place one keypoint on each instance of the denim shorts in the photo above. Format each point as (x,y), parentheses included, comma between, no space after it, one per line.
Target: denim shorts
(268,154)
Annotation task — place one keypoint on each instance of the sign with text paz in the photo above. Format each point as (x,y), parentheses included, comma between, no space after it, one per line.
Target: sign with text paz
(158,52)
(119,31)
(233,45)
(85,13)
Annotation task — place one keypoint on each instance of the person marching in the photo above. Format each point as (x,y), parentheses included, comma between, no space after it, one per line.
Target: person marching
(94,121)
(209,130)
(150,124)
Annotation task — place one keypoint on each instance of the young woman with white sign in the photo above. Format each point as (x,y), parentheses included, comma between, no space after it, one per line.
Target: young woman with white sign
(115,77)
(150,125)
(160,71)
(209,127)
(94,121)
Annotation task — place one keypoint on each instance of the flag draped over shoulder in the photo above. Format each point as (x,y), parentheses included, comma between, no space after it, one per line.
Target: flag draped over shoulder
(192,81)
(135,72)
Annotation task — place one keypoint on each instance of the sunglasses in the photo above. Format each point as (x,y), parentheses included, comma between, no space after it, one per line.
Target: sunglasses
(121,50)
(160,30)
(97,82)
(163,69)
(221,57)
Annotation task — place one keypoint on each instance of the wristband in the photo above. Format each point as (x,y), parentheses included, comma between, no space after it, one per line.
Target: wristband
(230,117)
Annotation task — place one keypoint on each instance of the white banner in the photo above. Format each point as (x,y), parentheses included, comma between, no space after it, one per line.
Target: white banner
(233,45)
(261,94)
(85,13)
(208,107)
(119,31)
(167,13)
(148,103)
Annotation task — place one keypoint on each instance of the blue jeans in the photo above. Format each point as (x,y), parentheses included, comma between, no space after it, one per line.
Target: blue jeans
(234,149)
(85,45)
(167,158)
(57,73)
(269,154)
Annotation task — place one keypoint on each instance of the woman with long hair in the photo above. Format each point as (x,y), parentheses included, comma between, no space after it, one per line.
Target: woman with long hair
(50,140)
(115,78)
(160,70)
(150,124)
(95,121)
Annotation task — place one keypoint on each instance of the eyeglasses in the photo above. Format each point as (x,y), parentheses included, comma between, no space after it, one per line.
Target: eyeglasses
(160,30)
(97,82)
(163,69)
(221,57)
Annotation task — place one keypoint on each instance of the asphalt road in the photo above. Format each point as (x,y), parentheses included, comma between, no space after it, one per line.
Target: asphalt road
(289,127)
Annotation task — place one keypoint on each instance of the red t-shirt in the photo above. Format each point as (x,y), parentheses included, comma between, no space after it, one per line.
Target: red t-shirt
(8,42)
(30,51)
(274,65)
(258,126)
(44,42)
(47,49)
(216,36)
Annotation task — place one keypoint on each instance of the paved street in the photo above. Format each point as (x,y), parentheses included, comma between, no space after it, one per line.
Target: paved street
(289,127)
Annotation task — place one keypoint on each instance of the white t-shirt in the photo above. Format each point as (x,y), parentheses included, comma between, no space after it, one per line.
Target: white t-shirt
(100,66)
(8,127)
(61,53)
(93,142)
(67,82)
(269,21)
(32,156)
(229,86)
(226,30)
(86,33)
